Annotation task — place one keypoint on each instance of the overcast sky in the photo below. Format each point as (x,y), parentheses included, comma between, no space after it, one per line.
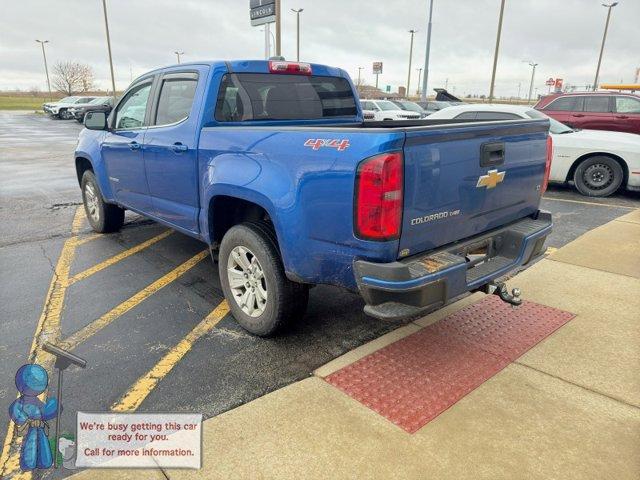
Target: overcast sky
(562,36)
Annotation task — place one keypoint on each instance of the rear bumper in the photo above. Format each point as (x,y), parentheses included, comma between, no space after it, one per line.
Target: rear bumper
(424,282)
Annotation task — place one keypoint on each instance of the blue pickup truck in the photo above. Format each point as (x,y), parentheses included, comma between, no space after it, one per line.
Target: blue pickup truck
(271,164)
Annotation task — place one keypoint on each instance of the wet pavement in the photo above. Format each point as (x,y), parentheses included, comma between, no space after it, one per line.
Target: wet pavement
(226,367)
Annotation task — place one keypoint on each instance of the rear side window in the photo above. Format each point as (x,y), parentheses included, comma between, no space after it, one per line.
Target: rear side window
(599,104)
(566,104)
(627,105)
(497,116)
(258,96)
(176,98)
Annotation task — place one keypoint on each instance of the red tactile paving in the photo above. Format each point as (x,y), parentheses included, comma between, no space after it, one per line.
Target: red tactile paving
(413,380)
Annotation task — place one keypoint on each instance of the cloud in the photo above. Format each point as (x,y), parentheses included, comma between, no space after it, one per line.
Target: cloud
(562,36)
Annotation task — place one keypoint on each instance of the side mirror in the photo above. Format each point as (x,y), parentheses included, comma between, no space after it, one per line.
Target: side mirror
(96,121)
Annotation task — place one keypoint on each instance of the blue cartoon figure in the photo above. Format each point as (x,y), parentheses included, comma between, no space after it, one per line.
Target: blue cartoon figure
(28,411)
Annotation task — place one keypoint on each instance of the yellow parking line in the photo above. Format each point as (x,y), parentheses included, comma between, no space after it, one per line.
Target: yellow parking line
(145,384)
(88,238)
(116,258)
(47,329)
(551,250)
(587,203)
(85,333)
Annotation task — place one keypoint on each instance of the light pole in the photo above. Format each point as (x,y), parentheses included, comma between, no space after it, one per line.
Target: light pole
(412,32)
(423,96)
(278,27)
(297,12)
(178,55)
(46,69)
(419,76)
(106,26)
(604,38)
(359,77)
(495,53)
(533,74)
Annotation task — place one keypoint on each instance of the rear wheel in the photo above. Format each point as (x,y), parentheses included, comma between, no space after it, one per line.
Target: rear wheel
(598,176)
(262,299)
(103,217)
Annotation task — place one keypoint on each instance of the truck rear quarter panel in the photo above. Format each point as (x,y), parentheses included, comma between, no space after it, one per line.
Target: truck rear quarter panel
(307,192)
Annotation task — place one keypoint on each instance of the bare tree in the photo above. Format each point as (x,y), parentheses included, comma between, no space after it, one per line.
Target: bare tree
(72,77)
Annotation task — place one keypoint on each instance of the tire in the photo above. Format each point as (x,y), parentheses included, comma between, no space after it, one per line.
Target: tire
(103,217)
(62,114)
(275,301)
(598,176)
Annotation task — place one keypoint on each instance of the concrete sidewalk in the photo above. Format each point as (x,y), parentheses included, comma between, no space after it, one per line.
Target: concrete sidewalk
(568,408)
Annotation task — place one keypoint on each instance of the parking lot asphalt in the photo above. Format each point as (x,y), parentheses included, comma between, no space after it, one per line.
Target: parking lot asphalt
(125,302)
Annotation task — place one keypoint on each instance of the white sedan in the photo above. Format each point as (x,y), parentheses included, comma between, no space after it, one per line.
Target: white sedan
(386,110)
(598,162)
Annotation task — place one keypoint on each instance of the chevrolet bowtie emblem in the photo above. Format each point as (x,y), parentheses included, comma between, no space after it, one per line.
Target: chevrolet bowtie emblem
(491,179)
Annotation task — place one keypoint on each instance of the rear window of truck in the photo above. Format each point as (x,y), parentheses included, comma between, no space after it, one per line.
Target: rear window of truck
(268,96)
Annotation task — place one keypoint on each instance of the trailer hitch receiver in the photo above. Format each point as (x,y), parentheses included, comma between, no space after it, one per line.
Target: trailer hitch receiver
(500,289)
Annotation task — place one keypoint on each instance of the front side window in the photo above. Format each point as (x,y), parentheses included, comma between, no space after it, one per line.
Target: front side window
(131,111)
(466,116)
(627,105)
(566,104)
(176,98)
(269,96)
(84,100)
(595,104)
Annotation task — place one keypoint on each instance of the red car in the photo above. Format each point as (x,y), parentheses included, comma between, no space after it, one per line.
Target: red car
(594,110)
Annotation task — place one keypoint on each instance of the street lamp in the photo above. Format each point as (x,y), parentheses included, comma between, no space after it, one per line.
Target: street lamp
(423,97)
(412,32)
(604,37)
(297,12)
(533,74)
(106,26)
(46,69)
(495,54)
(419,75)
(359,71)
(178,55)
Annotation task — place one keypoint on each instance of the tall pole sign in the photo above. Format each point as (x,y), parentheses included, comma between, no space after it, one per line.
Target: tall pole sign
(263,12)
(377,70)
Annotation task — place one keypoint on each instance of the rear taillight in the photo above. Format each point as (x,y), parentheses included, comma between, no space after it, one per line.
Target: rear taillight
(378,197)
(547,165)
(295,68)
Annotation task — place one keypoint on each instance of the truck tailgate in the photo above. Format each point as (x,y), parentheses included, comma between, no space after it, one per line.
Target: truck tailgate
(462,180)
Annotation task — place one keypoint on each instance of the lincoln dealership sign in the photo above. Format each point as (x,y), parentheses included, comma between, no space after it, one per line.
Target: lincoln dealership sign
(262,11)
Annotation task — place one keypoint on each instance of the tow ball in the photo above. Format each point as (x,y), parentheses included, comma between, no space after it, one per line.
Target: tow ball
(500,289)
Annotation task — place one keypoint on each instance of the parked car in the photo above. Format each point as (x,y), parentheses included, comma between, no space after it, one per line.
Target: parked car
(433,106)
(60,109)
(271,165)
(98,104)
(597,162)
(387,110)
(410,106)
(615,111)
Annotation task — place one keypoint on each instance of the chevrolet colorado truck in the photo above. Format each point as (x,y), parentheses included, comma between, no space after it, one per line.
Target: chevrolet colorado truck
(272,166)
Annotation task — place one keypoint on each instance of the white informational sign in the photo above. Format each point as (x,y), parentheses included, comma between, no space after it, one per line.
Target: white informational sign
(377,68)
(138,440)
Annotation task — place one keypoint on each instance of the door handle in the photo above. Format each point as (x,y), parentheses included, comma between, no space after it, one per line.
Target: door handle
(179,147)
(134,146)
(577,114)
(622,116)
